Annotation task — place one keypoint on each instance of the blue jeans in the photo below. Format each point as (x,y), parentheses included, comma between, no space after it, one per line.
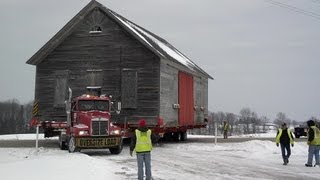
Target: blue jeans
(285,147)
(146,159)
(313,150)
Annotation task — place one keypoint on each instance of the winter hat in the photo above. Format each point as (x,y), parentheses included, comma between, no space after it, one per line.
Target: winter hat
(142,123)
(310,123)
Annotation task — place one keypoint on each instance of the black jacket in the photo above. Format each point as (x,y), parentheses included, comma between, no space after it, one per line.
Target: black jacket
(154,138)
(284,138)
(310,134)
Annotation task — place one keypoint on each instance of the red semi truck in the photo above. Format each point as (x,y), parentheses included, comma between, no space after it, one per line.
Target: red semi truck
(87,126)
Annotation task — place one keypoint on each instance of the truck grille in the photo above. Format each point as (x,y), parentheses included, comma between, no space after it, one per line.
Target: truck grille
(100,126)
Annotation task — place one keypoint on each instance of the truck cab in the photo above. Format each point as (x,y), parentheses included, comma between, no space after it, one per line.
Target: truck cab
(89,125)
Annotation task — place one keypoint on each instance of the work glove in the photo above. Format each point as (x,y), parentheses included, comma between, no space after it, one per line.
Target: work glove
(277,144)
(131,153)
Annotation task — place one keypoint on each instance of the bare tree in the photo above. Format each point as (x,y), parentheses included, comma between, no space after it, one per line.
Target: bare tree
(282,118)
(245,118)
(13,117)
(231,119)
(255,121)
(264,121)
(220,117)
(314,118)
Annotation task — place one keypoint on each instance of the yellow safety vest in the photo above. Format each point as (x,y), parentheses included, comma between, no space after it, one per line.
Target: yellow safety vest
(280,133)
(316,139)
(226,127)
(143,141)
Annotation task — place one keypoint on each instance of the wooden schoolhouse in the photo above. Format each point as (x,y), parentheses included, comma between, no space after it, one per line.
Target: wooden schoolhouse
(101,48)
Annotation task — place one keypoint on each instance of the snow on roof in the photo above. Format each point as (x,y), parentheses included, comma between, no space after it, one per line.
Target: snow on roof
(128,24)
(158,44)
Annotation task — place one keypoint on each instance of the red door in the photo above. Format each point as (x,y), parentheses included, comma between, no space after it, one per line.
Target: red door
(186,100)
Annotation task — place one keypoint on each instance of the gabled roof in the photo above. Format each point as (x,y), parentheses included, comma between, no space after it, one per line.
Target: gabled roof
(159,46)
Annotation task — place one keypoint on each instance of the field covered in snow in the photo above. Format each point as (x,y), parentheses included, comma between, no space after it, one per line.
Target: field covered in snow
(188,160)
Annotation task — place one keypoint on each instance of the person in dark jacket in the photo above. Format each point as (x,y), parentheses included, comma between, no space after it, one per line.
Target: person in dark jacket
(285,138)
(314,143)
(141,143)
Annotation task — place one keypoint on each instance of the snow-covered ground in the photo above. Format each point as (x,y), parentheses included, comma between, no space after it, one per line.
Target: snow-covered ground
(247,160)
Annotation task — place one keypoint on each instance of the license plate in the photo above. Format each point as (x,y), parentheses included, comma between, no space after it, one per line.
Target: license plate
(97,142)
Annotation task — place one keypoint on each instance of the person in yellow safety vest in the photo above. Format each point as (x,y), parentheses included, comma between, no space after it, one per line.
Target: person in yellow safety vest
(225,129)
(285,138)
(141,143)
(314,143)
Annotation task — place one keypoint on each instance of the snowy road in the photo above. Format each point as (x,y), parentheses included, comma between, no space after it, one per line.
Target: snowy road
(194,160)
(248,160)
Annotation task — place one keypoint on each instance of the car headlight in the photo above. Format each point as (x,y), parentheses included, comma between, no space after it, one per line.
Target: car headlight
(81,133)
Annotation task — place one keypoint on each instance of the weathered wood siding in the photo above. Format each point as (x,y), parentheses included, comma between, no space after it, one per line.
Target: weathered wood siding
(169,94)
(110,53)
(201,99)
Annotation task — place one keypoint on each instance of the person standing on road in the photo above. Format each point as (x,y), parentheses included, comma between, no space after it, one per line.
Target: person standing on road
(225,129)
(314,143)
(141,143)
(285,138)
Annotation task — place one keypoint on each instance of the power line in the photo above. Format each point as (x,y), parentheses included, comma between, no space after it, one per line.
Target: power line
(316,1)
(295,9)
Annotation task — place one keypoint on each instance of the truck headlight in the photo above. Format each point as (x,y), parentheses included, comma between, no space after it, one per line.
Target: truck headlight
(116,132)
(81,133)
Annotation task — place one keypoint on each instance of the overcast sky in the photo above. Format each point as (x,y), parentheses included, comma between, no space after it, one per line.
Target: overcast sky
(263,54)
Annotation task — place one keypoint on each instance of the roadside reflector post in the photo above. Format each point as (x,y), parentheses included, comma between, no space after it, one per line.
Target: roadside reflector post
(215,133)
(37,138)
(35,113)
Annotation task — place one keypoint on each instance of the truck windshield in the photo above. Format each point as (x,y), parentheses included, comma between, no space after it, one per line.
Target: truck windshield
(89,105)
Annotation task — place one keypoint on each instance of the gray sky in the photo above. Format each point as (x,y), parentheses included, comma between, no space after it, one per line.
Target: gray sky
(262,56)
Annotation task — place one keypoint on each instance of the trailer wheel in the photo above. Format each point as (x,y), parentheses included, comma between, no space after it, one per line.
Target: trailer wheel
(116,150)
(72,145)
(183,136)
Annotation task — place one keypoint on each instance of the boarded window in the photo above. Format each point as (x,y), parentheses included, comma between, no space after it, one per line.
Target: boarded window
(94,77)
(60,91)
(129,89)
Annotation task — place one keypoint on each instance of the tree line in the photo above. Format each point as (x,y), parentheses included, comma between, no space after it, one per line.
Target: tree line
(15,117)
(247,122)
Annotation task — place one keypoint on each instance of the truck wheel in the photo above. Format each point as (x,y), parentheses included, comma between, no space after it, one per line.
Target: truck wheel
(62,143)
(116,150)
(168,136)
(183,136)
(176,136)
(72,145)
